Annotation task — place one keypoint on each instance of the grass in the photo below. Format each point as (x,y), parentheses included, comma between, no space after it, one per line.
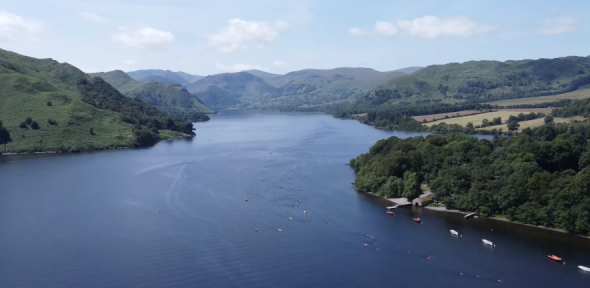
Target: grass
(535,123)
(431,117)
(574,95)
(476,119)
(169,97)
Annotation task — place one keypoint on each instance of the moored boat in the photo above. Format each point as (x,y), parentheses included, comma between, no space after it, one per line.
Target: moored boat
(584,268)
(417,220)
(454,232)
(390,212)
(553,257)
(487,242)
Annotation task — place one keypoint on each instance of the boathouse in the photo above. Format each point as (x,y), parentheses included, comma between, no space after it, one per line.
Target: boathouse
(423,200)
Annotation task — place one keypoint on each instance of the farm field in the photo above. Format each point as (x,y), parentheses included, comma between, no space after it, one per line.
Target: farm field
(431,117)
(477,118)
(536,110)
(533,123)
(574,95)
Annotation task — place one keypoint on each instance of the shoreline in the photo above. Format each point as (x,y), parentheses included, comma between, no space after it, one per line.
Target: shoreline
(445,210)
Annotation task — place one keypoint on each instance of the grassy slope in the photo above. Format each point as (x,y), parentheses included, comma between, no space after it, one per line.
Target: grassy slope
(27,84)
(163,76)
(477,118)
(168,97)
(574,95)
(483,80)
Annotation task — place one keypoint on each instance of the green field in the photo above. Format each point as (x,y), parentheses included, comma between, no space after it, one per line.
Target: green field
(476,119)
(574,95)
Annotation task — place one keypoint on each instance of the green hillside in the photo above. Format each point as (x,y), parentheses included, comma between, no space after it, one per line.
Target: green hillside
(163,76)
(485,81)
(168,97)
(69,111)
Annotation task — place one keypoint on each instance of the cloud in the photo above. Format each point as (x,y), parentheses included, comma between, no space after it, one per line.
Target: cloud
(433,27)
(558,25)
(12,25)
(238,67)
(92,17)
(280,64)
(239,34)
(381,28)
(146,38)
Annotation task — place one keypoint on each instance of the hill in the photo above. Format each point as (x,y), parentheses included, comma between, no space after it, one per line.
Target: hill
(50,106)
(168,97)
(480,81)
(164,76)
(408,70)
(295,89)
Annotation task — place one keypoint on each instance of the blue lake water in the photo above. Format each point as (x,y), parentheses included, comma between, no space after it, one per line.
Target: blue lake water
(149,218)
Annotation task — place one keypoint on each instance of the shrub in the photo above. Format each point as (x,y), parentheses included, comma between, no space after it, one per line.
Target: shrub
(29,120)
(34,125)
(23,125)
(51,122)
(49,103)
(92,131)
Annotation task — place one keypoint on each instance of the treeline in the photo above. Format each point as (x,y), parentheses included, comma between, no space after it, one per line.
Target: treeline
(145,118)
(579,107)
(540,177)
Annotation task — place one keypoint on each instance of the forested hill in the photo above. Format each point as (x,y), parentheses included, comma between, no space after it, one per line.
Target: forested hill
(168,97)
(482,81)
(539,178)
(50,106)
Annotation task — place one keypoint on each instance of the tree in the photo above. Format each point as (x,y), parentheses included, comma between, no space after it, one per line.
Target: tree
(548,119)
(485,122)
(92,131)
(469,126)
(34,125)
(29,120)
(513,125)
(49,103)
(23,125)
(411,187)
(4,136)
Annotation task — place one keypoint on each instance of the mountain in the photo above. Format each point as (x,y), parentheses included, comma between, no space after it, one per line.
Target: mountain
(408,70)
(479,81)
(262,74)
(164,76)
(295,89)
(252,89)
(70,111)
(168,97)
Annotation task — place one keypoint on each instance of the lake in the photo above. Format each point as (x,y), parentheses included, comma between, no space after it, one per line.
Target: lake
(174,215)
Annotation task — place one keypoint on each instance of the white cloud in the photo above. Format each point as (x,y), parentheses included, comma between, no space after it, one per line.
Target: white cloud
(146,38)
(238,67)
(12,25)
(238,34)
(280,64)
(558,25)
(433,27)
(92,17)
(381,28)
(385,28)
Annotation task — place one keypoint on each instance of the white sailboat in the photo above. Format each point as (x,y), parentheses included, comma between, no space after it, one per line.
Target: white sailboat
(487,242)
(584,268)
(454,232)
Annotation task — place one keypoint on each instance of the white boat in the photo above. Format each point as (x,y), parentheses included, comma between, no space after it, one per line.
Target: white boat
(584,268)
(454,232)
(487,242)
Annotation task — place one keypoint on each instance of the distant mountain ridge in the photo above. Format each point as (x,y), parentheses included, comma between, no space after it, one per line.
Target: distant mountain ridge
(169,97)
(298,88)
(164,76)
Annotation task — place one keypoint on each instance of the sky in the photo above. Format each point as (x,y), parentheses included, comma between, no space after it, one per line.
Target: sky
(279,36)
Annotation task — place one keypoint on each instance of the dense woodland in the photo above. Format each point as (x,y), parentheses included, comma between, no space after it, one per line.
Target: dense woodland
(540,177)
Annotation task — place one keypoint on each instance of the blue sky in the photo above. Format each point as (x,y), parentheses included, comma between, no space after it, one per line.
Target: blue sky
(209,37)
